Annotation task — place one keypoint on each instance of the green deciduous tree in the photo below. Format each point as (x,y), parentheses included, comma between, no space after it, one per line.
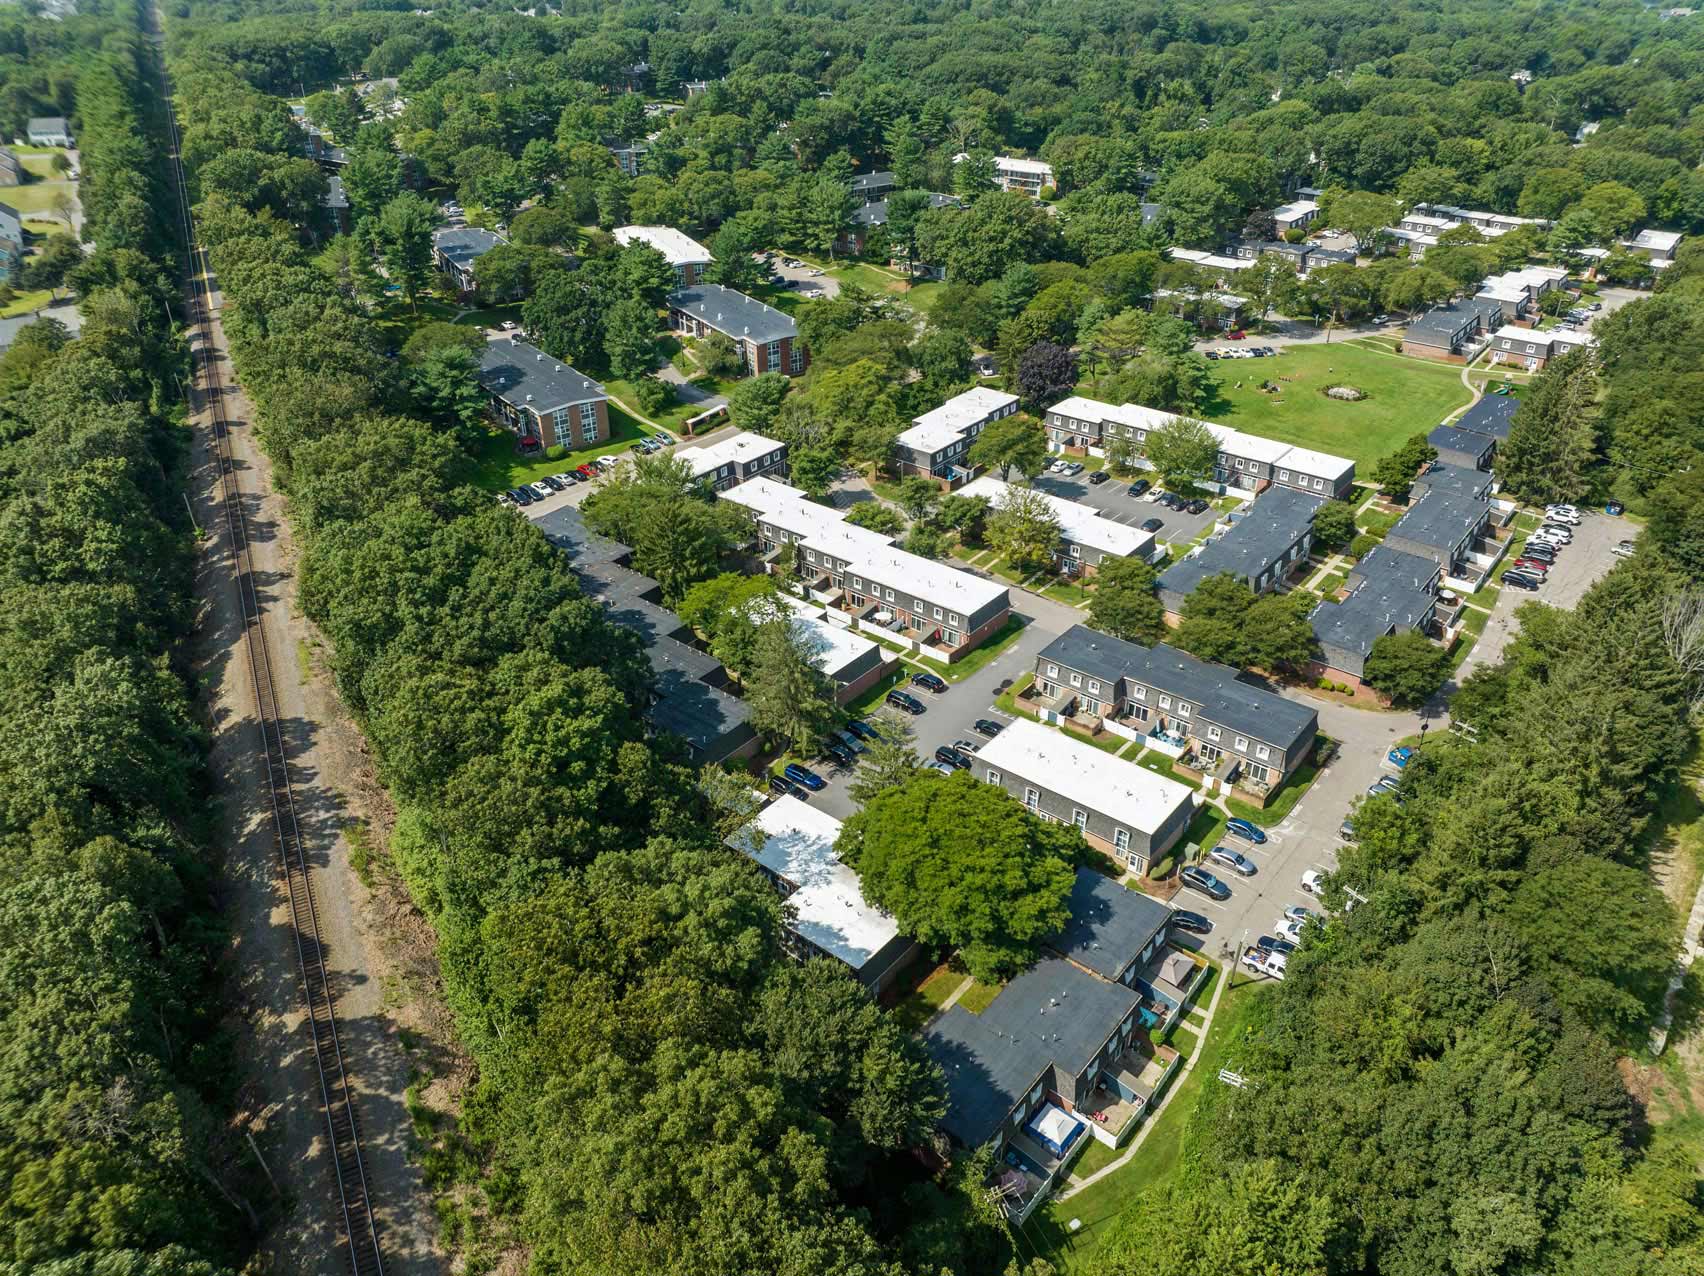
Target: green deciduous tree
(1124,603)
(1406,666)
(1013,444)
(1183,450)
(1024,528)
(1395,474)
(405,242)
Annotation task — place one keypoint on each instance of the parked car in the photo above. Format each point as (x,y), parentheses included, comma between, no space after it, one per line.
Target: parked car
(904,700)
(942,767)
(1153,524)
(1399,756)
(863,730)
(522,495)
(1057,467)
(929,682)
(509,325)
(503,498)
(1290,929)
(1346,831)
(1198,506)
(841,754)
(852,742)
(1273,944)
(567,478)
(1520,580)
(1300,913)
(1154,494)
(1098,477)
(1623,549)
(1558,516)
(553,483)
(1313,882)
(1199,879)
(1194,923)
(804,775)
(1236,861)
(1262,962)
(989,727)
(586,471)
(1246,829)
(1073,467)
(783,787)
(966,746)
(1544,548)
(1381,318)
(953,758)
(1531,565)
(1138,487)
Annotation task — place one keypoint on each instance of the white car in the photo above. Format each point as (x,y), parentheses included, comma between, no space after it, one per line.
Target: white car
(508,325)
(1289,928)
(1154,493)
(1567,520)
(1313,881)
(542,491)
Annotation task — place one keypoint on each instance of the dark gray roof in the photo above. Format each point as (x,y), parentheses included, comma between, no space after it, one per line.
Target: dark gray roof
(875,213)
(865,181)
(47,124)
(990,1060)
(614,583)
(1214,688)
(1152,213)
(464,245)
(711,721)
(1383,562)
(1110,924)
(1254,542)
(1393,596)
(1445,320)
(1454,478)
(1439,519)
(1490,416)
(733,313)
(524,375)
(335,195)
(1453,438)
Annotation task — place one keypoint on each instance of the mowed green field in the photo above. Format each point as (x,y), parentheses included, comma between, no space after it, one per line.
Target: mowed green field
(1405,396)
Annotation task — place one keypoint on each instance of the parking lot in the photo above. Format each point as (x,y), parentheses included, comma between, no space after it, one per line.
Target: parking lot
(805,279)
(1112,501)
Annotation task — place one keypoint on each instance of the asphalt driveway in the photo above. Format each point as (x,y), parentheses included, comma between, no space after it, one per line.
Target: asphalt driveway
(1112,500)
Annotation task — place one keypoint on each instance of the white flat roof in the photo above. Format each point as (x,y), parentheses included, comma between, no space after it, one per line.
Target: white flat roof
(925,578)
(1254,447)
(1125,793)
(744,446)
(1013,164)
(1077,522)
(1661,240)
(1320,464)
(1249,446)
(1295,208)
(938,427)
(1212,260)
(681,249)
(1437,223)
(765,495)
(1543,337)
(832,647)
(829,909)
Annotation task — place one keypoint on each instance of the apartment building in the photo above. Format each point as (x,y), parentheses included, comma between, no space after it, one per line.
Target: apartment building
(456,250)
(1456,446)
(863,573)
(827,914)
(1245,461)
(1516,293)
(1263,545)
(685,255)
(1658,245)
(1085,538)
(1491,225)
(869,188)
(1492,416)
(1440,525)
(629,156)
(733,460)
(1231,729)
(935,445)
(866,217)
(1121,809)
(1298,214)
(767,339)
(1390,591)
(1452,331)
(545,402)
(1533,348)
(1012,173)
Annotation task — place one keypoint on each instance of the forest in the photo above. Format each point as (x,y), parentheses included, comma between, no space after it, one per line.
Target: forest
(658,1086)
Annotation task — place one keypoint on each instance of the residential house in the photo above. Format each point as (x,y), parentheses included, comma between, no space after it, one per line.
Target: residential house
(1085,538)
(545,402)
(1187,708)
(687,698)
(852,662)
(945,611)
(455,250)
(1065,1051)
(1442,526)
(767,339)
(867,217)
(1456,446)
(11,170)
(869,188)
(628,156)
(1444,476)
(1012,173)
(1451,331)
(1295,255)
(49,130)
(1533,348)
(1516,293)
(1658,245)
(827,914)
(1124,810)
(735,459)
(1220,268)
(337,204)
(1245,461)
(1390,591)
(636,77)
(688,257)
(936,443)
(1298,214)
(1491,225)
(1265,543)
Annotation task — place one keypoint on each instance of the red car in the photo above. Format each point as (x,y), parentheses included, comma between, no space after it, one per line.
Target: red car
(1532,565)
(585,471)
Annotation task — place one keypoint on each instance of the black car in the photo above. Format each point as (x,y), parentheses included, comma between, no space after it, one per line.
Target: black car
(1098,477)
(1153,524)
(929,682)
(1197,506)
(523,495)
(1519,580)
(1138,487)
(779,786)
(1194,923)
(863,730)
(1274,945)
(1199,879)
(553,483)
(905,700)
(955,758)
(989,727)
(1539,553)
(841,754)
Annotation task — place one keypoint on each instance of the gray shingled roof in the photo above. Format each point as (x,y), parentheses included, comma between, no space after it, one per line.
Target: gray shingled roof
(1392,597)
(1110,924)
(525,375)
(876,212)
(1443,477)
(1439,519)
(733,313)
(1214,688)
(1254,542)
(864,181)
(1443,321)
(1490,416)
(566,529)
(464,245)
(1455,439)
(1052,1013)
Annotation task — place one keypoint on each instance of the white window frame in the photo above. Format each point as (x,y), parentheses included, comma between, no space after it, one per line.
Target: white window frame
(1032,799)
(993,777)
(1121,839)
(1052,671)
(1081,819)
(1094,686)
(1139,693)
(1184,710)
(1165,702)
(1213,733)
(1262,752)
(1242,744)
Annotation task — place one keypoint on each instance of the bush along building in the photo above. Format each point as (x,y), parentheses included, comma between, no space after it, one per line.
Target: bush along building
(545,403)
(1215,727)
(1069,1050)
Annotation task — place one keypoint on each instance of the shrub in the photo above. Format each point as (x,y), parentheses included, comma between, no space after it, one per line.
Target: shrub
(1362,545)
(555,452)
(654,394)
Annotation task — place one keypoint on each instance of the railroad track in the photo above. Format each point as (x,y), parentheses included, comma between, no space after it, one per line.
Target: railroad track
(360,1229)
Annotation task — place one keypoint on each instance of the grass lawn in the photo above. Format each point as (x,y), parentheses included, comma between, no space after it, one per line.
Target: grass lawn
(28,301)
(1377,522)
(1095,1155)
(1206,829)
(914,1009)
(1281,805)
(395,321)
(1332,583)
(1404,396)
(979,996)
(38,197)
(497,468)
(982,656)
(40,162)
(872,698)
(1153,1162)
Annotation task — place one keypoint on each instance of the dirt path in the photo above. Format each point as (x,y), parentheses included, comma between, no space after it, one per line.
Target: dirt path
(378,951)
